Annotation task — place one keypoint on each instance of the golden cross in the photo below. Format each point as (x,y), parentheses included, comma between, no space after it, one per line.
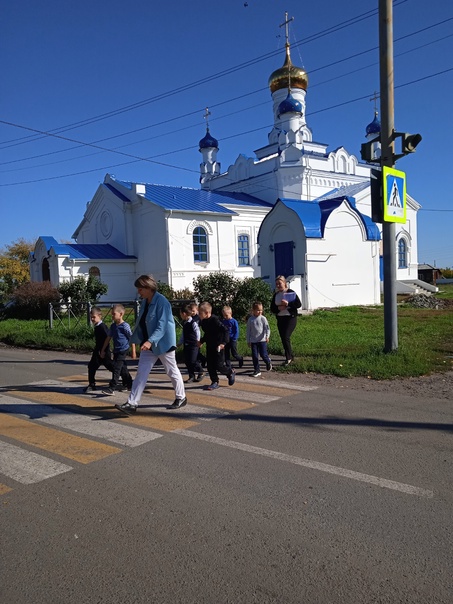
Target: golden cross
(286,24)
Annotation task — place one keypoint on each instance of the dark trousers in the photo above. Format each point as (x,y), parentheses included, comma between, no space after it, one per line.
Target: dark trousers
(286,326)
(216,364)
(259,349)
(95,363)
(191,360)
(231,350)
(120,370)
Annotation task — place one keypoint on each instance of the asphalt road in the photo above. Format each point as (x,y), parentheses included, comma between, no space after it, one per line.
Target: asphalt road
(267,492)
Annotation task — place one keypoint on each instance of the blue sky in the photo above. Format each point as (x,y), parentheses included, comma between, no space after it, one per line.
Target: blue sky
(123,88)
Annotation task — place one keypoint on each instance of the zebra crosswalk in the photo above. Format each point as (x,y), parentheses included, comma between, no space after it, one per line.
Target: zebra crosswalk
(49,427)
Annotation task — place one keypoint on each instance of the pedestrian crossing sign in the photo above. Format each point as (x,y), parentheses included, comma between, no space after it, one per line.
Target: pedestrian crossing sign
(394,195)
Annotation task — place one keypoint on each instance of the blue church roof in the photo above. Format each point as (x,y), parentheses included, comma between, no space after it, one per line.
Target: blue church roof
(84,251)
(196,200)
(90,251)
(289,105)
(348,191)
(314,215)
(374,127)
(208,141)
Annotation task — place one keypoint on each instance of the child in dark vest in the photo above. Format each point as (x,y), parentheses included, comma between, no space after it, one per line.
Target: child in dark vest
(100,334)
(190,339)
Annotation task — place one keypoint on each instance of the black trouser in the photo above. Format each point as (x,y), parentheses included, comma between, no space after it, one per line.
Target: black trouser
(95,363)
(286,325)
(216,363)
(120,370)
(231,350)
(191,360)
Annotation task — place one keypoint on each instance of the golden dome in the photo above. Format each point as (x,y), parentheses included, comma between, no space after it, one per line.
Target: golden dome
(279,79)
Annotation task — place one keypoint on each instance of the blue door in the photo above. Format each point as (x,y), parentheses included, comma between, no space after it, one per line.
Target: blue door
(284,261)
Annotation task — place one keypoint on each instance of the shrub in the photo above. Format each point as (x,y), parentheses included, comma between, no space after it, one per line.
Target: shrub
(251,290)
(79,291)
(217,288)
(166,290)
(31,300)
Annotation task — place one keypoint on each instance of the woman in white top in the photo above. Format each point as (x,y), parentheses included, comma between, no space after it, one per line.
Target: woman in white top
(284,305)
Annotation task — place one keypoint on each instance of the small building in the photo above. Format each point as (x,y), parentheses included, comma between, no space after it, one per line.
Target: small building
(429,274)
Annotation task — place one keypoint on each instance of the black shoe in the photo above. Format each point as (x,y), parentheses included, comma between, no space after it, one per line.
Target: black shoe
(241,363)
(287,362)
(108,391)
(200,376)
(127,408)
(231,378)
(89,389)
(191,379)
(268,366)
(179,402)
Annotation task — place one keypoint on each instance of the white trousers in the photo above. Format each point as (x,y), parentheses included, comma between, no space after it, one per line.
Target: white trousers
(146,362)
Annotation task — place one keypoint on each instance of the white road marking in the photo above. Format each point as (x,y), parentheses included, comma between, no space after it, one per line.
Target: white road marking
(84,424)
(27,467)
(314,465)
(241,395)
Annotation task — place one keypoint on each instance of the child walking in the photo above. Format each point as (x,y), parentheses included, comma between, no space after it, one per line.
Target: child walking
(120,332)
(216,336)
(190,338)
(196,317)
(231,349)
(100,333)
(258,332)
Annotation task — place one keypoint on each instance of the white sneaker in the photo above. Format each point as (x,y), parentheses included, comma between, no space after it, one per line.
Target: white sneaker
(256,374)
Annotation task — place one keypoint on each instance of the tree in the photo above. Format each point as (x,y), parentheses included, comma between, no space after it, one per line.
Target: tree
(14,265)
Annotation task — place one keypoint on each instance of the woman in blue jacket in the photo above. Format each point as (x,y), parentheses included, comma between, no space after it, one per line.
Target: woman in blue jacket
(155,334)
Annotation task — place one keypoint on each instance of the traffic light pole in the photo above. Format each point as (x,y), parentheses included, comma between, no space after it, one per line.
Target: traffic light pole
(387,159)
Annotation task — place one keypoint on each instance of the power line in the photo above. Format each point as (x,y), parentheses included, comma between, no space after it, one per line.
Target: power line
(207,79)
(147,159)
(197,111)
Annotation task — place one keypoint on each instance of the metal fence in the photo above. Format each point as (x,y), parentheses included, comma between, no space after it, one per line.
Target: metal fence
(70,316)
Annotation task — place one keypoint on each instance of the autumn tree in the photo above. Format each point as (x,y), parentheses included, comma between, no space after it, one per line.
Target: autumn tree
(14,265)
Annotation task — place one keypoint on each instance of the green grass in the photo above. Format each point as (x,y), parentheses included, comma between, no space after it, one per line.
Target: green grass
(445,291)
(344,342)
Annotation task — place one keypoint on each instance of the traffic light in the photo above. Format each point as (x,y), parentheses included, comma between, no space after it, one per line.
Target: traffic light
(410,141)
(368,151)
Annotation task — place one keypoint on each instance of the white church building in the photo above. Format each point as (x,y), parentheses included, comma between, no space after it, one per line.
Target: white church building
(295,209)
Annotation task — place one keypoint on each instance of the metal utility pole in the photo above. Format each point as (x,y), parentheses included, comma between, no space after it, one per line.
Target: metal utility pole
(387,159)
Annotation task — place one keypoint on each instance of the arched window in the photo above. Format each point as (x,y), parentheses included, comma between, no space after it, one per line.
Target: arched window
(200,245)
(243,250)
(94,272)
(45,270)
(402,253)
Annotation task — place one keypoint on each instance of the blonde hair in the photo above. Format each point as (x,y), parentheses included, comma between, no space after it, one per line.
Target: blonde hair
(281,278)
(118,308)
(227,309)
(206,306)
(146,282)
